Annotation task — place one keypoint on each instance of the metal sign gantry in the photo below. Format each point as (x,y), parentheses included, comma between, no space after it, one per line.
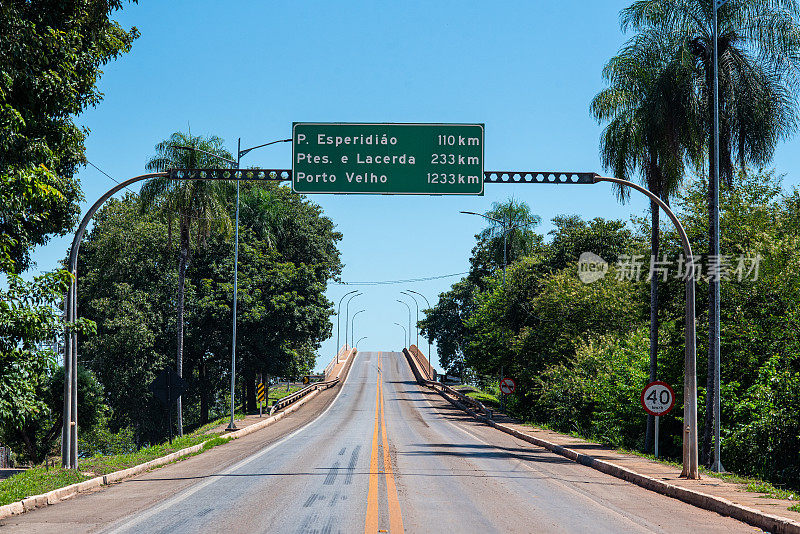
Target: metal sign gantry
(69,440)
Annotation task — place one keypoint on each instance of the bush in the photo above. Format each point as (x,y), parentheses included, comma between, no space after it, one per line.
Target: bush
(102,441)
(597,393)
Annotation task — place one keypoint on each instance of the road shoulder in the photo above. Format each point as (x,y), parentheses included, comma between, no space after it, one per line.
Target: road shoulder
(726,498)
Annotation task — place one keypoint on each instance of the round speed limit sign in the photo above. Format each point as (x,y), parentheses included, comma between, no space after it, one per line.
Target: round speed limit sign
(658,398)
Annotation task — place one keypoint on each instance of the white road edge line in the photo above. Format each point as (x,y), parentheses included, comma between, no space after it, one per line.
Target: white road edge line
(119,526)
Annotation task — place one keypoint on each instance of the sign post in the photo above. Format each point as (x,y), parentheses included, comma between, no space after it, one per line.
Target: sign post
(167,387)
(657,399)
(387,158)
(507,387)
(260,396)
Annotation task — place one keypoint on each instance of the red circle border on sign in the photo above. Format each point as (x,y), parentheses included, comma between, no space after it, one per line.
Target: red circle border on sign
(513,386)
(657,383)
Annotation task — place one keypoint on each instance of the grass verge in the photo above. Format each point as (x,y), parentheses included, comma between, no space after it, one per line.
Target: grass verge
(487,399)
(38,480)
(281,392)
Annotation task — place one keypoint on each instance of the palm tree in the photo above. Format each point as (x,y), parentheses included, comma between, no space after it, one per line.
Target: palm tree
(199,206)
(759,73)
(264,213)
(493,244)
(650,106)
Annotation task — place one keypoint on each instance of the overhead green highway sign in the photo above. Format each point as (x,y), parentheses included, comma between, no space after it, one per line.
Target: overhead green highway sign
(387,158)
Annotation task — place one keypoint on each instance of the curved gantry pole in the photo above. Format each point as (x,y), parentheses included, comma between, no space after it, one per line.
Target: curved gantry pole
(690,457)
(69,429)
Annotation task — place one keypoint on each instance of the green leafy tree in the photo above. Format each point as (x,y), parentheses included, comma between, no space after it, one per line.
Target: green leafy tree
(30,397)
(494,247)
(51,56)
(445,323)
(287,255)
(198,205)
(573,236)
(759,73)
(127,288)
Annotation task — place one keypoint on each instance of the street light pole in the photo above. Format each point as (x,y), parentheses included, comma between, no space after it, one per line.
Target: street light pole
(231,424)
(429,336)
(506,229)
(360,340)
(239,154)
(405,334)
(416,325)
(347,316)
(409,319)
(714,334)
(353,326)
(338,317)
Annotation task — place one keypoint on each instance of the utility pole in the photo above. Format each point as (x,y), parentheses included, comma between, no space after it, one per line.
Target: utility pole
(714,334)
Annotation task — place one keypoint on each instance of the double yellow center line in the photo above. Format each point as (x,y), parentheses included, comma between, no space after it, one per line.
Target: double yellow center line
(395,516)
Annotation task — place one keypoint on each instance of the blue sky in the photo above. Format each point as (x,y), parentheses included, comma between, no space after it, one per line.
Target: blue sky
(528,70)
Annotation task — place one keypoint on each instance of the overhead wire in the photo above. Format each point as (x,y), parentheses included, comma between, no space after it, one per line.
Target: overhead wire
(406,281)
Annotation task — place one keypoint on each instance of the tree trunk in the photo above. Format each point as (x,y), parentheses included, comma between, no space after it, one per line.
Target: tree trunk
(183,263)
(30,446)
(655,244)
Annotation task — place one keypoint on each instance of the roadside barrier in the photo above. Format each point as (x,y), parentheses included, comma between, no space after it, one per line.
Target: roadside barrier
(420,374)
(317,386)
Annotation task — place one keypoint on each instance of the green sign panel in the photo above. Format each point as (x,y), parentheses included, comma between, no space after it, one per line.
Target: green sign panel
(401,159)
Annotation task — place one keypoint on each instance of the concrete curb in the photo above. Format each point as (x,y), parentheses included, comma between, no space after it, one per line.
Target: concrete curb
(60,494)
(751,516)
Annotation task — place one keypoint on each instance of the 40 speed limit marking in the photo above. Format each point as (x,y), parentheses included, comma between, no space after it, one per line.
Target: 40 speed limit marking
(658,398)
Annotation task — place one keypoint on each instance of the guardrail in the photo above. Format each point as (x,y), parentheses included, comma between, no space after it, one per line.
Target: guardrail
(325,384)
(415,368)
(289,399)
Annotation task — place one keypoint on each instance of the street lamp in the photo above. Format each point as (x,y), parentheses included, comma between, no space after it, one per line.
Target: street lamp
(360,340)
(506,229)
(347,316)
(429,336)
(353,325)
(416,325)
(338,317)
(409,319)
(239,154)
(404,332)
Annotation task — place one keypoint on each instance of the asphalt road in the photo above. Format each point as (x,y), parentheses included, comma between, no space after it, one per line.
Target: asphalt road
(383,456)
